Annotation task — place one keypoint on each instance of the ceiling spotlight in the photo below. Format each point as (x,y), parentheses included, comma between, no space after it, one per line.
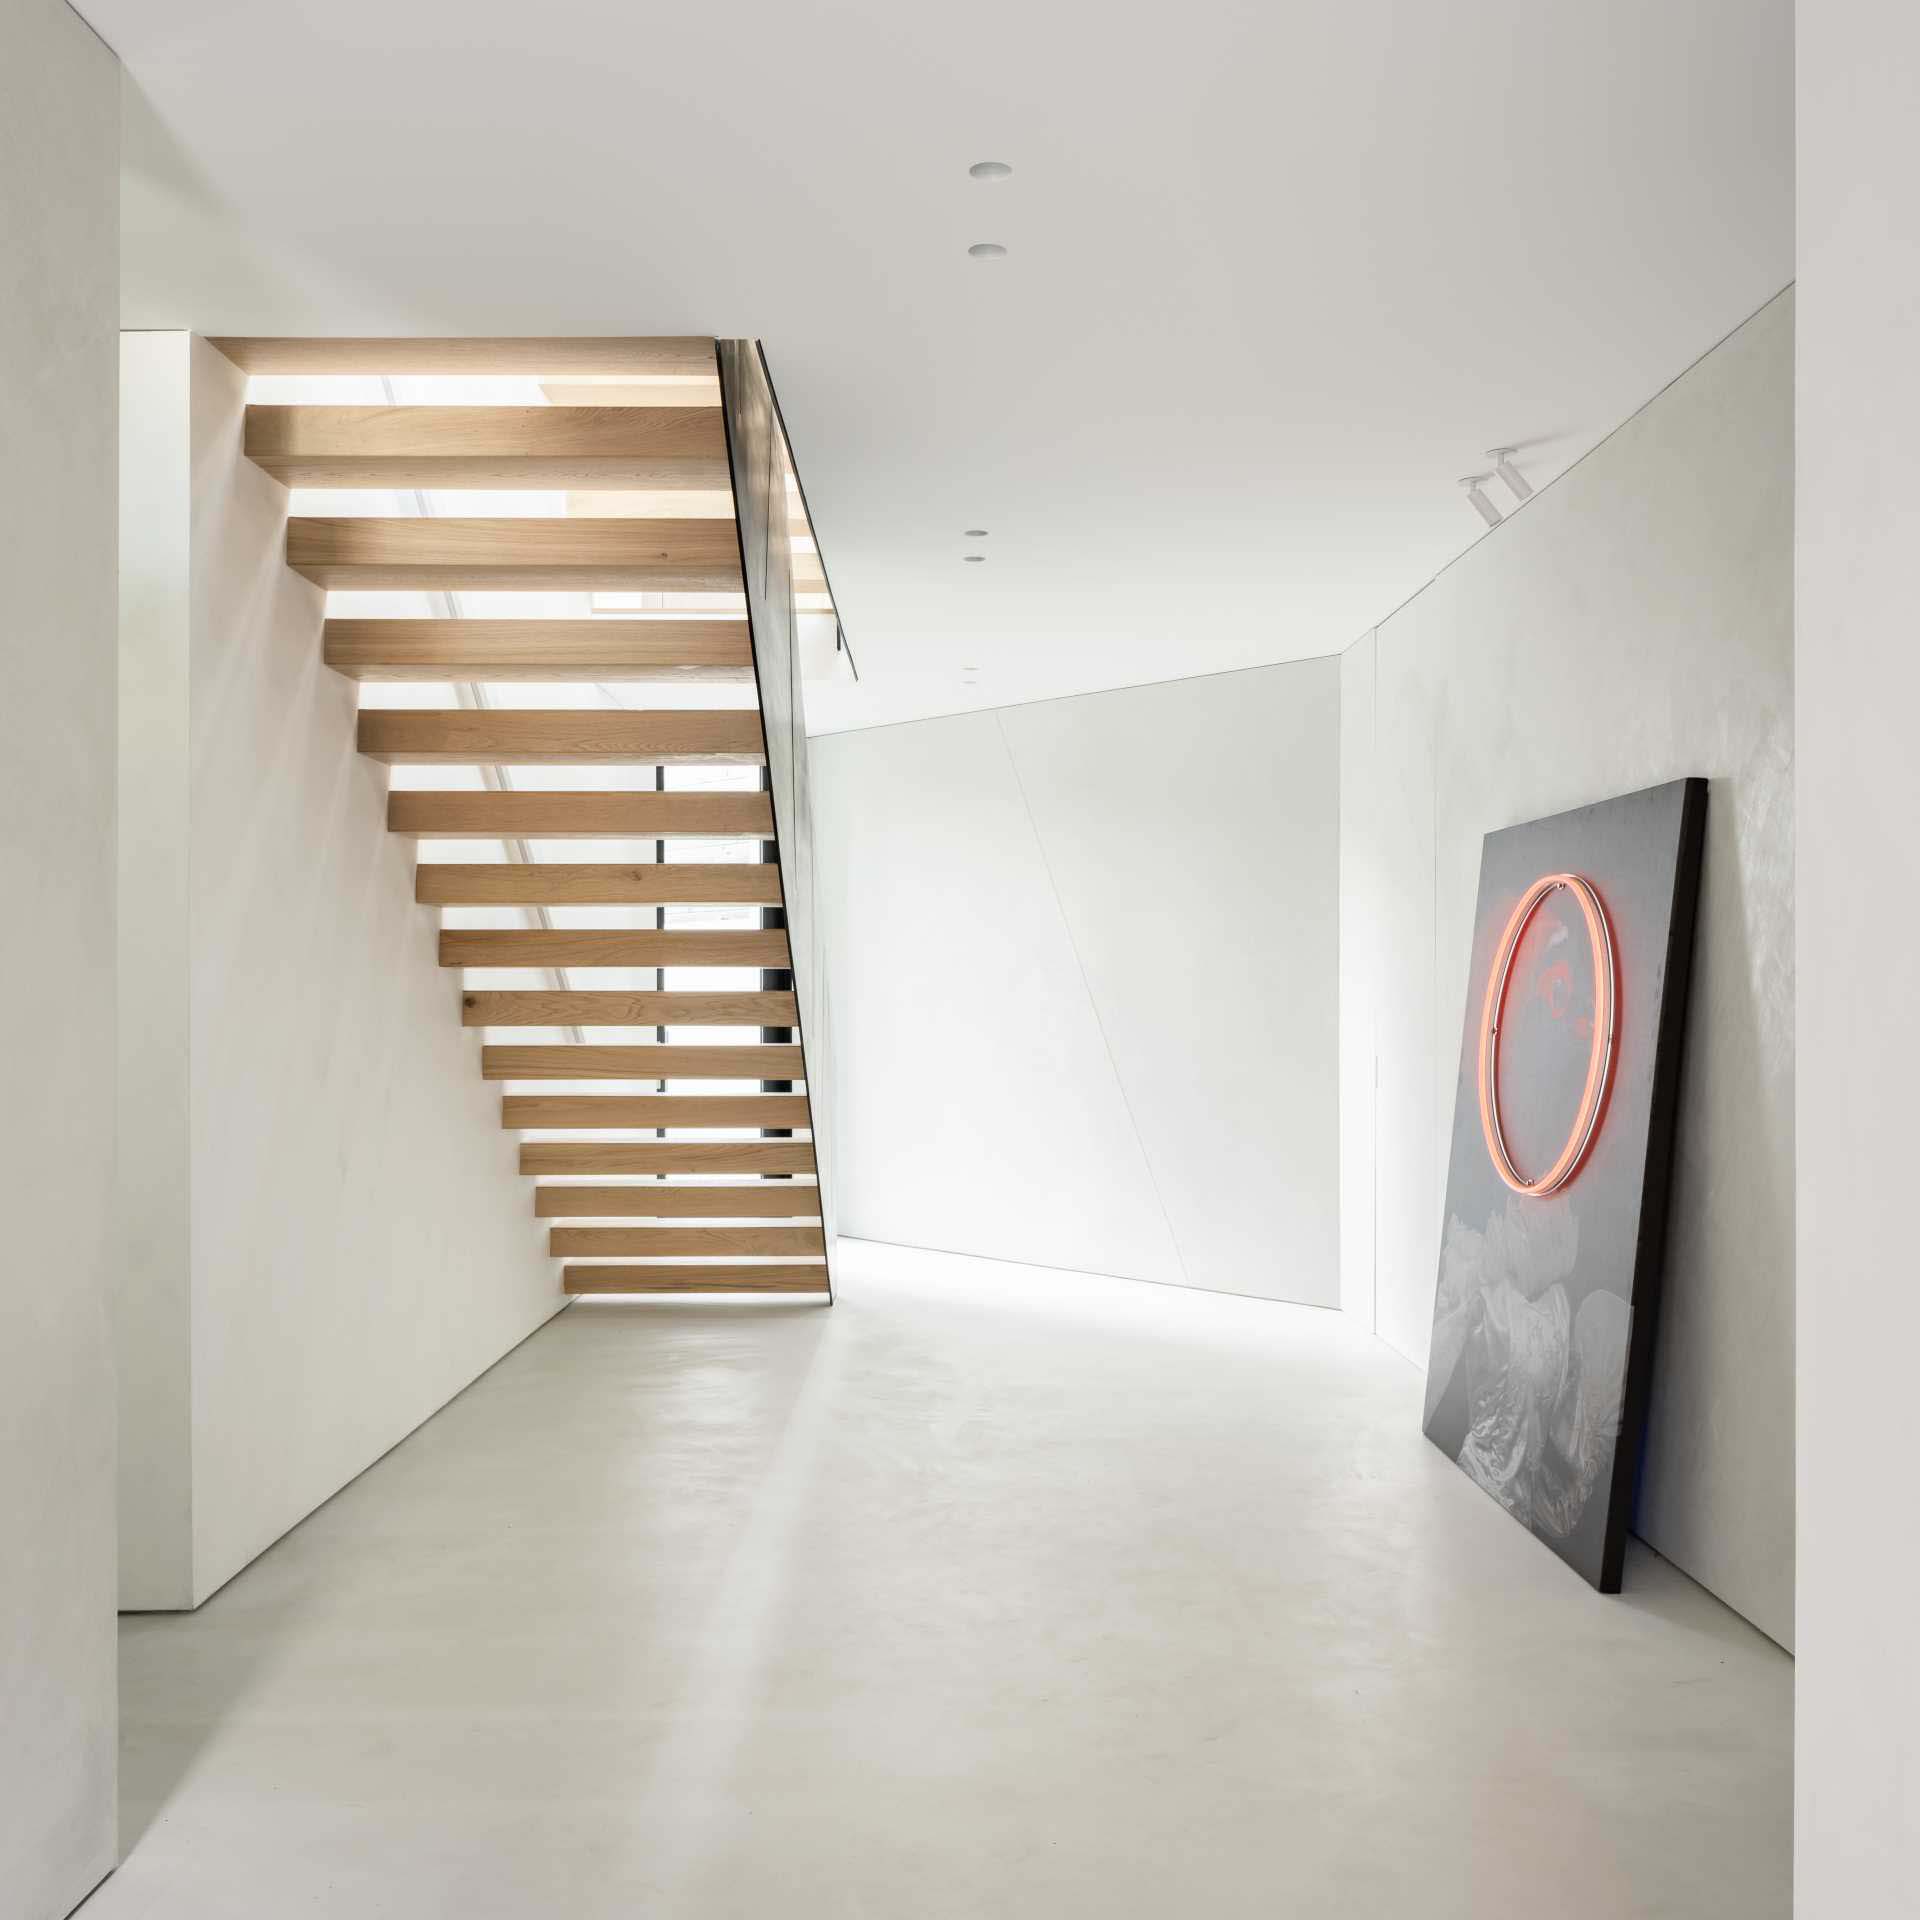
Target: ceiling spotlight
(1472,486)
(988,170)
(1516,482)
(987,250)
(976,533)
(974,559)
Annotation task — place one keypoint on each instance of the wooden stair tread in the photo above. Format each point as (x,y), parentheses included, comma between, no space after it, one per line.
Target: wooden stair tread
(771,1278)
(764,1061)
(514,554)
(678,357)
(656,448)
(612,947)
(685,1242)
(599,391)
(763,1199)
(660,883)
(524,815)
(582,1112)
(702,650)
(654,1157)
(467,736)
(590,1008)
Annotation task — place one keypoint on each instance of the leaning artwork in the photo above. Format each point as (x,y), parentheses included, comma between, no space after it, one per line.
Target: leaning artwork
(1564,1115)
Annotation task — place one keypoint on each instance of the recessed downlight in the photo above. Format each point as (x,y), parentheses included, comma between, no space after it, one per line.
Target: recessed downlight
(976,533)
(974,559)
(986,250)
(988,170)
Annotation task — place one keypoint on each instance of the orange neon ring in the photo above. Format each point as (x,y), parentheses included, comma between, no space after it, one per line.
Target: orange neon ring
(1600,1061)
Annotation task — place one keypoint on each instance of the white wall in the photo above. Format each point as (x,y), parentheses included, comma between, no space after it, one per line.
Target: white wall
(1857,1712)
(1631,624)
(153,1166)
(59,212)
(1362,901)
(356,1243)
(1085,989)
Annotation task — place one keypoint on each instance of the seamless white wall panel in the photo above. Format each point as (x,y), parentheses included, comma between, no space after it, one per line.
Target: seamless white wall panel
(153,1167)
(1412,1087)
(1191,834)
(1857,1698)
(1630,625)
(59,297)
(979,1112)
(1359,901)
(356,1243)
(1086,997)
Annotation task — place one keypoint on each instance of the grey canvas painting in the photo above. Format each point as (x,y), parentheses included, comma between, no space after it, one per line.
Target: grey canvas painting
(1557,1185)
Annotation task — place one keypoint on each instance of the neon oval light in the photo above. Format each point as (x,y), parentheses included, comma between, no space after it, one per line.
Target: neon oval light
(1593,1098)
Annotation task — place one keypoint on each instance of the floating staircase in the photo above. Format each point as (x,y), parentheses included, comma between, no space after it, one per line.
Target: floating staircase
(679,1161)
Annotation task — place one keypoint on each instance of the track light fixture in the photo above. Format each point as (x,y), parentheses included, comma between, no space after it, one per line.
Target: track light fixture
(1473,486)
(1511,477)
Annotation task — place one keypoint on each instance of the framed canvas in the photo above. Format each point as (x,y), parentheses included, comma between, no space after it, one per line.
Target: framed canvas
(1555,1223)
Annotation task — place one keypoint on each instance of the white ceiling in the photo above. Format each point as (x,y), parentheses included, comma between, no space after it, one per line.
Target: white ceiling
(1277,274)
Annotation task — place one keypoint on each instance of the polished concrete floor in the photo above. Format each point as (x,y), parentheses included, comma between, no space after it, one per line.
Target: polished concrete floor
(989,1592)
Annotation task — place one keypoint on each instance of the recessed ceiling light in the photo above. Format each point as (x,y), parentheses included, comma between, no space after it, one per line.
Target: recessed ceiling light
(987,250)
(974,559)
(976,533)
(988,170)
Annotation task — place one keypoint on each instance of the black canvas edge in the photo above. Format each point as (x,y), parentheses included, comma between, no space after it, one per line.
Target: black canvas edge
(1656,1190)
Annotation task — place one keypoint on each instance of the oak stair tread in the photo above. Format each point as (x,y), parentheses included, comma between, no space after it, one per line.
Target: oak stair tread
(770,1278)
(660,1157)
(523,815)
(467,736)
(685,1242)
(611,650)
(586,1112)
(514,554)
(762,1199)
(551,883)
(551,947)
(610,1008)
(669,449)
(672,1061)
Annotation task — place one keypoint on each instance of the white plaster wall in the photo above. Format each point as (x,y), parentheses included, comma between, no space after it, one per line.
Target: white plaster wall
(1857,1698)
(358,1243)
(1360,900)
(978,1107)
(1629,625)
(1086,997)
(152,1180)
(59,213)
(363,1243)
